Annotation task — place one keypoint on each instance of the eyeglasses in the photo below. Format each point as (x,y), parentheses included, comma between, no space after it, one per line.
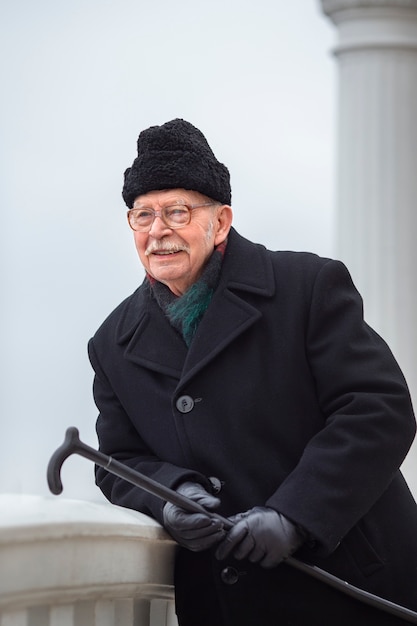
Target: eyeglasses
(174,216)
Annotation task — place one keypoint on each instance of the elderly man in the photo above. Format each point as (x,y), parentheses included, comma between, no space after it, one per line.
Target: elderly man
(248,380)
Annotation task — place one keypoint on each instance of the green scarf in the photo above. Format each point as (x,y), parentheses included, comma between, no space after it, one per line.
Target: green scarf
(185,312)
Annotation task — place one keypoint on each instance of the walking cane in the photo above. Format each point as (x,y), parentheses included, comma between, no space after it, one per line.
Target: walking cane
(73,445)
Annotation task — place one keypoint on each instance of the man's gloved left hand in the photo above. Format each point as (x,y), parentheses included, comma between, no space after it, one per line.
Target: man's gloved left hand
(262,535)
(194,531)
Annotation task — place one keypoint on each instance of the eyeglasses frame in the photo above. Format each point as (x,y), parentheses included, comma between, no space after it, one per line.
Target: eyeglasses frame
(189,207)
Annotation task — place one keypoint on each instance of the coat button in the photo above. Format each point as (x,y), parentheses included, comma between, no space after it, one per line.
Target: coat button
(185,404)
(229,575)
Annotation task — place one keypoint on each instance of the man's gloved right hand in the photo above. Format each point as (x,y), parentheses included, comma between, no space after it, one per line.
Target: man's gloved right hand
(261,535)
(194,531)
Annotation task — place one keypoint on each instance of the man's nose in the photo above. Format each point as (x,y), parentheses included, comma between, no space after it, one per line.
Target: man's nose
(158,228)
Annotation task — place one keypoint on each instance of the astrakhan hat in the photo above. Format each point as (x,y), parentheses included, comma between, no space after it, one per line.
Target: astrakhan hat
(173,156)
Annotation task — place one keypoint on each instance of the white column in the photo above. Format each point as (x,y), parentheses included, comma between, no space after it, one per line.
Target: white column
(377,168)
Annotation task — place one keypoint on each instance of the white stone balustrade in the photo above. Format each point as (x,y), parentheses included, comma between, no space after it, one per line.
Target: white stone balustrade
(76,563)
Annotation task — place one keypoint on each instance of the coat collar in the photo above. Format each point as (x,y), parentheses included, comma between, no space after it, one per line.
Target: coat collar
(151,341)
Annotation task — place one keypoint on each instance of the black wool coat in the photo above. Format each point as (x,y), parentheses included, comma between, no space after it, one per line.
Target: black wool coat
(289,399)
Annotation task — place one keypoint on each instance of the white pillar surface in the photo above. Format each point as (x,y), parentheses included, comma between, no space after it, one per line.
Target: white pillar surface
(376,54)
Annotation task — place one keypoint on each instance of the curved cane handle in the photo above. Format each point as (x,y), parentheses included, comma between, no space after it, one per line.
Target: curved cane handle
(69,446)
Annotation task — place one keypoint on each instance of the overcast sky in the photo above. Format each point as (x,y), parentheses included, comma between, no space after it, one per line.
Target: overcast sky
(80,79)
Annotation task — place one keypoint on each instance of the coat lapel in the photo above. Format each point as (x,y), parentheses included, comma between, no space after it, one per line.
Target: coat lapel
(149,338)
(227,317)
(151,341)
(246,270)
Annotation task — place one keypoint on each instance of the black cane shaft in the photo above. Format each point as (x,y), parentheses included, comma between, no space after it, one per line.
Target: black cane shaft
(73,445)
(155,488)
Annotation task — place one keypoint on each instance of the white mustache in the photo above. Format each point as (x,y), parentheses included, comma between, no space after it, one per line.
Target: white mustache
(165,246)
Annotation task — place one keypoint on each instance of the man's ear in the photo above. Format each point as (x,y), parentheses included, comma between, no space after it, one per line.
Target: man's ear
(223,223)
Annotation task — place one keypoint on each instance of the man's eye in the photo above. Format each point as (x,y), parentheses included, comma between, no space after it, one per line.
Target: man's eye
(176,211)
(143,214)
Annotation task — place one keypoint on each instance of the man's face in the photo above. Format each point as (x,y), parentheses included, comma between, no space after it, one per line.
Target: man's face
(176,257)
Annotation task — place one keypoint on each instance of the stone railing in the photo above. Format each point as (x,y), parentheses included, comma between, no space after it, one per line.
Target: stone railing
(77,563)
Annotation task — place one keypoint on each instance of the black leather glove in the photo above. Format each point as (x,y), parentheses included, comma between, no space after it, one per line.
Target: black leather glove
(261,535)
(194,531)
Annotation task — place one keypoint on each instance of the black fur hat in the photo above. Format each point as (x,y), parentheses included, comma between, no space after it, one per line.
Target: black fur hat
(176,155)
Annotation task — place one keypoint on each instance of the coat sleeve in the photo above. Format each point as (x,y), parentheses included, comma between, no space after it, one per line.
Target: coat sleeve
(369,421)
(118,438)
